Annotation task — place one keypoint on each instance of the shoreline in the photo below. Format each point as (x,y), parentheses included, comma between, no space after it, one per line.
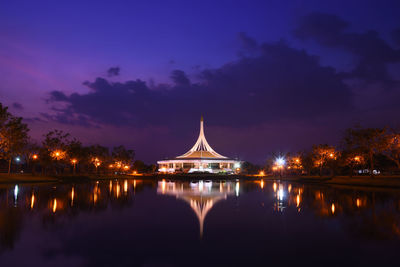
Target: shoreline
(392,182)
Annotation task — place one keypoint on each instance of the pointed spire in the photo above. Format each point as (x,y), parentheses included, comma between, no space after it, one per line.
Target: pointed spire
(201,148)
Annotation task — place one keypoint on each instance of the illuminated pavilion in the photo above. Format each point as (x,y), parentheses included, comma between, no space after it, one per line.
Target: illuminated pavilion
(200,158)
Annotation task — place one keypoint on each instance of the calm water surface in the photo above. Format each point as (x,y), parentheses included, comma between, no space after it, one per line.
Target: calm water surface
(197,223)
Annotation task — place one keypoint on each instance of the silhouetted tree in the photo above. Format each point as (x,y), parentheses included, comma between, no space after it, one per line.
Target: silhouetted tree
(13,136)
(368,142)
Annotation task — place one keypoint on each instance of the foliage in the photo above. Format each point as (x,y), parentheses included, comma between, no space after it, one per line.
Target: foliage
(367,141)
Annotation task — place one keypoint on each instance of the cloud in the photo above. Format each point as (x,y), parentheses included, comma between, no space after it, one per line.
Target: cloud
(247,42)
(396,36)
(17,105)
(179,78)
(280,83)
(113,71)
(372,52)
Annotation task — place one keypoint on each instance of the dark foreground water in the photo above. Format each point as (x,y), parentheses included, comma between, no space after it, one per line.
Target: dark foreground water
(197,223)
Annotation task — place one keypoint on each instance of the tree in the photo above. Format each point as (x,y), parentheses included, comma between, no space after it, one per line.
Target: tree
(351,159)
(98,155)
(14,138)
(392,149)
(249,168)
(122,157)
(77,154)
(119,153)
(367,141)
(54,150)
(322,155)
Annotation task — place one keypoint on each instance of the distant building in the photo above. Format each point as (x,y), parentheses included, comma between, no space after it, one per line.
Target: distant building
(200,158)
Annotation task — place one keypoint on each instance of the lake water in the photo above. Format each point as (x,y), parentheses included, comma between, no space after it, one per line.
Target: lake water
(198,223)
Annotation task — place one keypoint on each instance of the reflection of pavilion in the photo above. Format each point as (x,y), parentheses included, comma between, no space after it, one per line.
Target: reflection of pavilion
(200,195)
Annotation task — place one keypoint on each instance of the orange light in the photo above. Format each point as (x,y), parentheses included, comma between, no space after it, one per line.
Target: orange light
(111,166)
(358,202)
(74,161)
(57,154)
(333,208)
(262,173)
(97,163)
(35,156)
(72,196)
(118,189)
(298,200)
(289,188)
(297,160)
(163,186)
(262,184)
(274,186)
(54,205)
(32,201)
(134,172)
(126,167)
(126,186)
(357,158)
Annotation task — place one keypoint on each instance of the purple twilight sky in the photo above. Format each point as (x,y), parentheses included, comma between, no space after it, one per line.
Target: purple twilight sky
(268,76)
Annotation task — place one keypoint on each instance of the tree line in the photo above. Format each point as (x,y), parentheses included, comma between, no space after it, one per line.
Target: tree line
(362,151)
(59,153)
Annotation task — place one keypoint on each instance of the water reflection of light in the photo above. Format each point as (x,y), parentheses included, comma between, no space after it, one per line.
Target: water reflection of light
(358,202)
(237,187)
(201,186)
(333,208)
(125,186)
(72,196)
(262,184)
(118,189)
(16,190)
(201,195)
(274,186)
(110,186)
(298,200)
(54,205)
(163,186)
(134,184)
(289,188)
(32,200)
(281,194)
(208,185)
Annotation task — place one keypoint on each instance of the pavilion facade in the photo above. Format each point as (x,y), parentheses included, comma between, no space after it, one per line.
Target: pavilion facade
(200,158)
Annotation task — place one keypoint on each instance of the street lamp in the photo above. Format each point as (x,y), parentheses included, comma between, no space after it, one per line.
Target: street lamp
(74,161)
(280,163)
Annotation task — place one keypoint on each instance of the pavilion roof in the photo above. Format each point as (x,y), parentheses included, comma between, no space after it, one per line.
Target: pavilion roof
(201,148)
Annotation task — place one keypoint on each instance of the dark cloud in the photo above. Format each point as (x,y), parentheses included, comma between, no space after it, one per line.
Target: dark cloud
(113,71)
(396,36)
(17,105)
(247,42)
(279,84)
(179,78)
(372,52)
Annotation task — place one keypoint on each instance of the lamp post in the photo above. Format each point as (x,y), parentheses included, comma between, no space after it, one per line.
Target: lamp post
(280,163)
(74,161)
(35,157)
